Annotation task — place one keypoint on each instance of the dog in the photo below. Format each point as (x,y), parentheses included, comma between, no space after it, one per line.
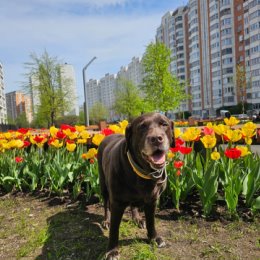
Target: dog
(132,173)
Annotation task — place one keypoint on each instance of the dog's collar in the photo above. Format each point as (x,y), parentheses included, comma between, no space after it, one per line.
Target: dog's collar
(139,171)
(155,175)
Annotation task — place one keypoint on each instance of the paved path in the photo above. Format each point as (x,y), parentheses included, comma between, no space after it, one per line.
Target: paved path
(256,149)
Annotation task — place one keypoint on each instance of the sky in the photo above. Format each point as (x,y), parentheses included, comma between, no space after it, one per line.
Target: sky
(74,31)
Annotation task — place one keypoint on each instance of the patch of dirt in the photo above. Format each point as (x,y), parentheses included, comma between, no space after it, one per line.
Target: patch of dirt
(43,228)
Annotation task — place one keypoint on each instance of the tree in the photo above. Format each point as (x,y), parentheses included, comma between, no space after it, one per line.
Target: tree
(21,121)
(98,113)
(128,101)
(50,90)
(162,90)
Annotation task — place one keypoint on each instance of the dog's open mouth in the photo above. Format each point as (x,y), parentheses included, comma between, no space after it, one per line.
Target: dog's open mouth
(156,159)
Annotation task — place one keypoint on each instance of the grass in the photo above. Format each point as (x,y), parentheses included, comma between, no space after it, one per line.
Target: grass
(35,228)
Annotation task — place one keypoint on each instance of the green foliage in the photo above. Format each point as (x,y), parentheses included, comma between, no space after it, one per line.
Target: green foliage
(205,177)
(21,121)
(162,90)
(68,120)
(128,102)
(50,89)
(98,113)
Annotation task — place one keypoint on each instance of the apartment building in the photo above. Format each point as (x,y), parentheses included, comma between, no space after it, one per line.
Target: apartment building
(251,10)
(3,112)
(103,90)
(17,104)
(172,33)
(132,72)
(69,83)
(216,49)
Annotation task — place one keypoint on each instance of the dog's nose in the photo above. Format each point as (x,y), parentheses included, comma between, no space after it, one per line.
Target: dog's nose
(158,139)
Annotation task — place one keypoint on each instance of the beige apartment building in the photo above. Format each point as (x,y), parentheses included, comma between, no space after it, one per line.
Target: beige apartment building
(215,46)
(18,103)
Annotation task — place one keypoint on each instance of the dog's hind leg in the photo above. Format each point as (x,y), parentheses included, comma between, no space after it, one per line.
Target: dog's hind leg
(105,195)
(138,220)
(107,214)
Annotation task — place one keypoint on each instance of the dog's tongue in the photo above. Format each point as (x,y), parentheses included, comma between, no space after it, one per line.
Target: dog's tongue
(158,158)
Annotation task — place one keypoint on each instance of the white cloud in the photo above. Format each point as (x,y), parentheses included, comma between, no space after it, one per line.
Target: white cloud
(74,38)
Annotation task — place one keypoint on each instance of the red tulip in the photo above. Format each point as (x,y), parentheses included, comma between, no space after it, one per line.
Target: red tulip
(178,164)
(18,159)
(233,153)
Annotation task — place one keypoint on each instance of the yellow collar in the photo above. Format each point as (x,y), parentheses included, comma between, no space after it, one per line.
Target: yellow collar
(137,169)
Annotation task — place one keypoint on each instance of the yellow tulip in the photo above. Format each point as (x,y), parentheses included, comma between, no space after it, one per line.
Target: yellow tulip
(191,134)
(72,135)
(249,129)
(92,152)
(170,155)
(56,143)
(80,128)
(244,150)
(81,141)
(97,139)
(215,155)
(116,129)
(233,135)
(53,131)
(71,147)
(248,140)
(177,132)
(209,141)
(231,121)
(85,134)
(123,124)
(220,129)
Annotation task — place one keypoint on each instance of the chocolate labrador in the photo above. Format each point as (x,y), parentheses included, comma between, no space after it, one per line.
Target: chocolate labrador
(132,172)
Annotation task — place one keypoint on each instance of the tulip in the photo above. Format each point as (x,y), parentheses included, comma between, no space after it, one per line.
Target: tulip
(232,121)
(97,139)
(209,141)
(233,153)
(215,155)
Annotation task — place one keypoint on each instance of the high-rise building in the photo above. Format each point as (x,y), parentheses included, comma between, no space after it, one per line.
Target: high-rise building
(107,86)
(251,10)
(17,104)
(69,81)
(3,112)
(132,72)
(215,47)
(103,90)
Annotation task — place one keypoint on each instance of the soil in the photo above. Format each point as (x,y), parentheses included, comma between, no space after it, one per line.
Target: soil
(47,228)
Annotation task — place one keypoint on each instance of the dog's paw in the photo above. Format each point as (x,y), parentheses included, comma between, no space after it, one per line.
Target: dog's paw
(140,223)
(106,224)
(159,242)
(112,255)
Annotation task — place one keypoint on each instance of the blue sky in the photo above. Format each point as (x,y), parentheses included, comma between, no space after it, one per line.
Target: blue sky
(74,31)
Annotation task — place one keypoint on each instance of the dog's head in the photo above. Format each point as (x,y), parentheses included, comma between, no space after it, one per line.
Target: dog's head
(149,138)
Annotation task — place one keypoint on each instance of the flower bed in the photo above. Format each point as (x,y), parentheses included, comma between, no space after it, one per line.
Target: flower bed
(64,159)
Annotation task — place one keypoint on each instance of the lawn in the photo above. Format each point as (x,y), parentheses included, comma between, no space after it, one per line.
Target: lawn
(49,228)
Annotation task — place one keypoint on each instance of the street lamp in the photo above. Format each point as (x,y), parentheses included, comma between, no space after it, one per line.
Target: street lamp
(85,92)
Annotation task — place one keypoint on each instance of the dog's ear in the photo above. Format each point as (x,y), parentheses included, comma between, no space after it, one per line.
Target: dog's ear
(128,136)
(172,134)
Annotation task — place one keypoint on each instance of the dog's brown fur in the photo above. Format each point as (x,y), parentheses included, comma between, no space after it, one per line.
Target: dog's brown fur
(120,186)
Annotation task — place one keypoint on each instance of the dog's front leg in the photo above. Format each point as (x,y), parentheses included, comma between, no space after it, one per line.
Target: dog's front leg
(117,211)
(149,210)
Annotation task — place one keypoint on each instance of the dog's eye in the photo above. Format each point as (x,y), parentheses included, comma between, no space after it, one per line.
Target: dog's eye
(165,124)
(142,126)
